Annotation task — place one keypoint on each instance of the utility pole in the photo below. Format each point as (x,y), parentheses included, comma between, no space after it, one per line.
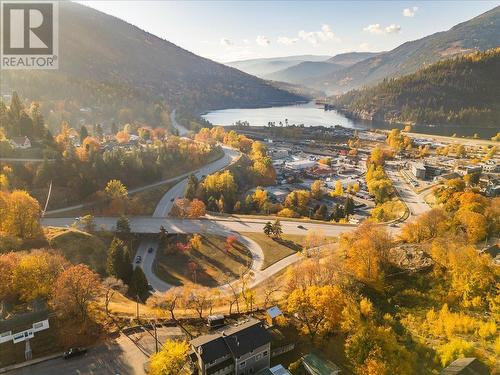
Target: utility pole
(137,303)
(156,337)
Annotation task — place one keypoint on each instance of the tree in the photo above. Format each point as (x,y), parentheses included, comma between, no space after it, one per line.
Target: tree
(88,223)
(314,309)
(119,263)
(75,289)
(348,206)
(19,214)
(196,241)
(192,187)
(456,348)
(170,360)
(139,284)
(197,299)
(163,234)
(366,250)
(313,240)
(123,225)
(339,190)
(230,242)
(110,286)
(197,208)
(84,133)
(321,213)
(169,300)
(277,230)
(268,228)
(317,189)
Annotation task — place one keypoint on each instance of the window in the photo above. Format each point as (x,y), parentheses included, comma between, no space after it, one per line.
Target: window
(265,354)
(242,364)
(258,357)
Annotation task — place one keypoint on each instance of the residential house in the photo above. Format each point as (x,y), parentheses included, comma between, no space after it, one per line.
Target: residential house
(242,349)
(466,366)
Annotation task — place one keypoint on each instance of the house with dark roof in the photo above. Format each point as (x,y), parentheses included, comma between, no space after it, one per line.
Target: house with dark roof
(242,349)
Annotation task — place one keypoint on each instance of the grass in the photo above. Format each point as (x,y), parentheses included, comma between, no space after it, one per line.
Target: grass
(81,247)
(213,263)
(275,250)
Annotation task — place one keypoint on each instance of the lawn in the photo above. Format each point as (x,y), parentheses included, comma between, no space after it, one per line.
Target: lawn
(210,265)
(275,250)
(81,247)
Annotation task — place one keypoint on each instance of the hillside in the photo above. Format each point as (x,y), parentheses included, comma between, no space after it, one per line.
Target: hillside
(106,62)
(301,73)
(266,66)
(351,58)
(479,33)
(457,91)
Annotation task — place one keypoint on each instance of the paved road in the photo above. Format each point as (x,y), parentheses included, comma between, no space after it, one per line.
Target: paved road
(181,129)
(123,356)
(177,191)
(413,200)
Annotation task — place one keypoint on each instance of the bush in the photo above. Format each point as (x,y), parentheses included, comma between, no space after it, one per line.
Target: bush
(288,212)
(454,349)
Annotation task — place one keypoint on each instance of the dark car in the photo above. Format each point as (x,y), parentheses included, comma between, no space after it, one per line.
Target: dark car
(301,227)
(150,250)
(74,352)
(171,200)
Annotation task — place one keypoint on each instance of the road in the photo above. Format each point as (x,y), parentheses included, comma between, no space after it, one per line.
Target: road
(181,129)
(123,355)
(415,202)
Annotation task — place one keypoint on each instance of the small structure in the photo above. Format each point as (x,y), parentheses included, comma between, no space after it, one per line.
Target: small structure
(466,366)
(272,314)
(276,370)
(300,164)
(316,365)
(215,321)
(242,349)
(419,170)
(20,142)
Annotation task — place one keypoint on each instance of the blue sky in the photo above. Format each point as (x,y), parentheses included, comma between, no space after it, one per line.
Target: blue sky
(235,30)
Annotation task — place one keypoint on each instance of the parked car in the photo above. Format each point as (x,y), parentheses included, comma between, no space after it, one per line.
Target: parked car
(74,352)
(138,259)
(150,250)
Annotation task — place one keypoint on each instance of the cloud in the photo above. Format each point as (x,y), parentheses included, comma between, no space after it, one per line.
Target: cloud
(226,42)
(393,29)
(315,37)
(287,41)
(410,12)
(374,29)
(377,29)
(263,41)
(364,47)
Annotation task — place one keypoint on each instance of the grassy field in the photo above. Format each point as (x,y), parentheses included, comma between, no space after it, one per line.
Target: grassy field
(212,262)
(275,250)
(81,247)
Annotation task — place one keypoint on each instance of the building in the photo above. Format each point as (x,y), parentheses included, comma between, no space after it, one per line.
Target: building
(20,142)
(316,365)
(468,169)
(419,170)
(240,350)
(276,370)
(272,314)
(300,164)
(490,167)
(466,366)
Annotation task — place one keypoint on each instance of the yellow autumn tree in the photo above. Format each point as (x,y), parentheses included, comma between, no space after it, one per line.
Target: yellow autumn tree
(171,358)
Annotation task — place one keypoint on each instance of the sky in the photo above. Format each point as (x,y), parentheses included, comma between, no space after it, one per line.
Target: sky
(238,30)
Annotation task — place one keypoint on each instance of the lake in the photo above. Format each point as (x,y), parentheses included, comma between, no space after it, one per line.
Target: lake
(312,115)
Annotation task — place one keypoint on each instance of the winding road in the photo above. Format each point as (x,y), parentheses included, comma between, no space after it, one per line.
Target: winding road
(227,225)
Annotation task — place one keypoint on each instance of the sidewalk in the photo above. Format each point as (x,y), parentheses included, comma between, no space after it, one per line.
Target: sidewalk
(3,370)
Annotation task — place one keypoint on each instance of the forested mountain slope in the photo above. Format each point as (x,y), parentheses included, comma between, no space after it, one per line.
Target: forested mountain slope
(464,90)
(478,34)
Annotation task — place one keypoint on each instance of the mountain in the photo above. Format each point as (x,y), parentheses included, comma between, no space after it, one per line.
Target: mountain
(479,33)
(351,58)
(301,73)
(107,62)
(265,66)
(461,91)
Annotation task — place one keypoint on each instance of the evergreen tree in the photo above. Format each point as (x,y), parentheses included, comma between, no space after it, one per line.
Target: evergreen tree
(268,228)
(192,187)
(277,230)
(84,133)
(139,284)
(123,225)
(348,206)
(119,262)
